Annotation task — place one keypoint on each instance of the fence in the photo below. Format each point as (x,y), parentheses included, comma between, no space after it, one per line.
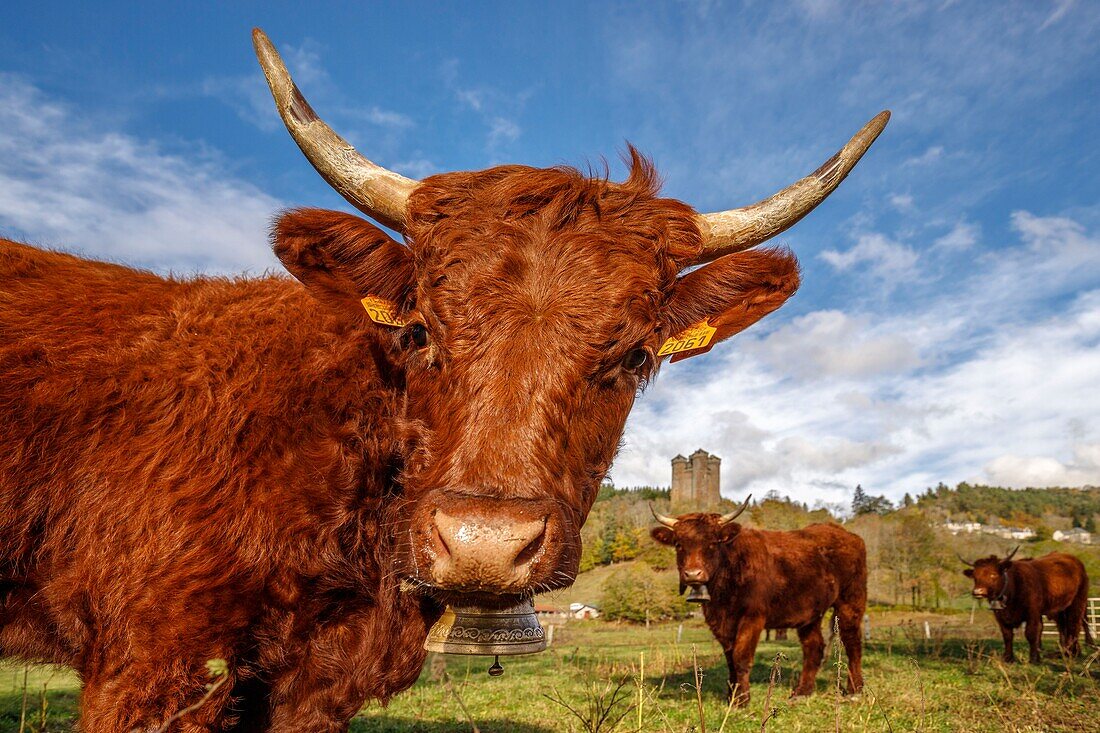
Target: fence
(1092,617)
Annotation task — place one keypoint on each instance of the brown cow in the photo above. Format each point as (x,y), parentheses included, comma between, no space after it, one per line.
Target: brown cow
(291,476)
(759,579)
(1023,591)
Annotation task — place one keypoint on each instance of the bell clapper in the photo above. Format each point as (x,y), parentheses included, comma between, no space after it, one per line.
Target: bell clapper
(496,670)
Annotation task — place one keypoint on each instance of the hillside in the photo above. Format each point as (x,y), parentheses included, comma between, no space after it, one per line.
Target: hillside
(911,556)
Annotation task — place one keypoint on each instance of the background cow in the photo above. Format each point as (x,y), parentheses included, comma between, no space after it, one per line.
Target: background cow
(761,579)
(290,475)
(1023,591)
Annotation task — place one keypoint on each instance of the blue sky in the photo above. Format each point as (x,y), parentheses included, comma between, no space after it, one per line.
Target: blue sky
(948,324)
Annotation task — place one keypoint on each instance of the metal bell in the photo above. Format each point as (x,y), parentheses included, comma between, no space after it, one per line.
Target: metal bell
(514,630)
(697,594)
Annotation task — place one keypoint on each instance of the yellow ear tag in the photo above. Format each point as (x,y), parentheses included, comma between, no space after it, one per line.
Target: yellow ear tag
(691,338)
(382,311)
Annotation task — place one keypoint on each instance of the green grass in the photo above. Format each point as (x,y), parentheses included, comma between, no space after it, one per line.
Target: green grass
(952,682)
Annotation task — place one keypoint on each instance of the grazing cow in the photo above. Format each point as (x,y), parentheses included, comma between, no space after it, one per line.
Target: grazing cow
(1023,591)
(759,579)
(293,476)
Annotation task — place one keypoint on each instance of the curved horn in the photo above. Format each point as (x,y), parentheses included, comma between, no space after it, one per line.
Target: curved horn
(1010,555)
(669,522)
(379,193)
(727,518)
(964,560)
(739,229)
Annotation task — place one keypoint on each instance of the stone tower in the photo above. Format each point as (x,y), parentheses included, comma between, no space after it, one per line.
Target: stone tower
(695,482)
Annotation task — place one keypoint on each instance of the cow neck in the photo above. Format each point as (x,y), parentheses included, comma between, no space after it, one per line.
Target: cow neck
(735,556)
(1006,586)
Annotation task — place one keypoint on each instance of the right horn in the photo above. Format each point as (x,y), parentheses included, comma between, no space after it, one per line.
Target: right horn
(964,560)
(739,229)
(727,518)
(669,522)
(379,193)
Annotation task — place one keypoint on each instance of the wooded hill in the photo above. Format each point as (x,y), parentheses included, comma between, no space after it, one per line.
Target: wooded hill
(911,557)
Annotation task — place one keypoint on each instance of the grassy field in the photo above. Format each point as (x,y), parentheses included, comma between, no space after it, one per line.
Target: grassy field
(951,682)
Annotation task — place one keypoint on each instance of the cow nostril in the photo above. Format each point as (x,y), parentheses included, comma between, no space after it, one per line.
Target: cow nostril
(527,554)
(439,543)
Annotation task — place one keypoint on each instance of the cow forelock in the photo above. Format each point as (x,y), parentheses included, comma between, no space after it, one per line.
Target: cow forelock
(533,287)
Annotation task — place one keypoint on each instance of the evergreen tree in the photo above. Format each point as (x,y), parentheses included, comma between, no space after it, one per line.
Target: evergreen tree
(859,500)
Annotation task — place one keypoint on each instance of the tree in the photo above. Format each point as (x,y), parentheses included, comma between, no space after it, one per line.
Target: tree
(907,501)
(636,593)
(1090,524)
(859,499)
(864,503)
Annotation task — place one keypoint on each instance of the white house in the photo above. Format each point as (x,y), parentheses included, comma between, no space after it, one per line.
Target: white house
(963,527)
(583,610)
(1011,533)
(1076,535)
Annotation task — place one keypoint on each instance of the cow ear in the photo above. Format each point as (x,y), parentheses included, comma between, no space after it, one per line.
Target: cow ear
(663,535)
(341,259)
(968,573)
(729,531)
(730,294)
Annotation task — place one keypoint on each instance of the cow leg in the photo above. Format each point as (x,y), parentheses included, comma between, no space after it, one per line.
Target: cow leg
(731,667)
(135,697)
(1007,634)
(813,651)
(1034,633)
(744,651)
(850,620)
(1069,622)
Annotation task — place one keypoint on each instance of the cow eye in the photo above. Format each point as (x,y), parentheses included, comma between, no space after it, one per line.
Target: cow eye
(418,335)
(635,359)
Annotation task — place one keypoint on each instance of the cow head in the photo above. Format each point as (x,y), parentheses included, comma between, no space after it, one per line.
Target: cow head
(526,309)
(989,575)
(698,539)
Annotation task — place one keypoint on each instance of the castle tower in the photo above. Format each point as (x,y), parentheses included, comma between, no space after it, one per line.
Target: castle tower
(695,482)
(713,495)
(681,482)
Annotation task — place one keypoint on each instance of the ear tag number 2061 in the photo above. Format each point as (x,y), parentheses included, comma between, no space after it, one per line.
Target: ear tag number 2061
(692,338)
(382,311)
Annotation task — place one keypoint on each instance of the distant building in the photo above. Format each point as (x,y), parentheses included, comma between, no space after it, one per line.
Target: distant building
(1076,535)
(1011,533)
(963,527)
(695,482)
(583,610)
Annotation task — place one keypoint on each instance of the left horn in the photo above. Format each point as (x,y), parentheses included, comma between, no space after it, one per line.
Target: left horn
(739,229)
(727,518)
(669,522)
(1012,554)
(379,193)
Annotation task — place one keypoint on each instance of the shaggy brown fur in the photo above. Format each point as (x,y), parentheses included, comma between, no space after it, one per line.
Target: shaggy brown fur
(248,468)
(760,579)
(1055,585)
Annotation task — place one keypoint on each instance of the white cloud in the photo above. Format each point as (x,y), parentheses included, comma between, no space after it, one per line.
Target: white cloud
(884,257)
(830,343)
(903,202)
(1061,7)
(991,378)
(68,184)
(962,236)
(1023,471)
(933,154)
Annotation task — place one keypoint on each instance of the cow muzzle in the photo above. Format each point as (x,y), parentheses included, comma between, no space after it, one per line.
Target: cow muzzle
(483,547)
(478,552)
